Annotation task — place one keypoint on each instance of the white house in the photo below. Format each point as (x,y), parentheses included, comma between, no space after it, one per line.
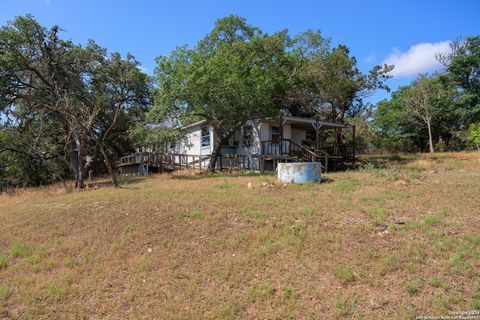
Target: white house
(257,134)
(259,145)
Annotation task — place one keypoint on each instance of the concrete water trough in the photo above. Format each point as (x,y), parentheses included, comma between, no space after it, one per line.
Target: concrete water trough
(299,172)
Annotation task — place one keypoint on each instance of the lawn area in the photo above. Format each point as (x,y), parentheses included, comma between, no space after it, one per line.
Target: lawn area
(397,238)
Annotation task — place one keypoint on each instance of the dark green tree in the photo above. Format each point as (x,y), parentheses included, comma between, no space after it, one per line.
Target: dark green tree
(326,82)
(70,98)
(418,115)
(463,71)
(474,136)
(229,77)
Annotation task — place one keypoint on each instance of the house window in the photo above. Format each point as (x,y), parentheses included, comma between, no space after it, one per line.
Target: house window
(205,137)
(275,134)
(247,136)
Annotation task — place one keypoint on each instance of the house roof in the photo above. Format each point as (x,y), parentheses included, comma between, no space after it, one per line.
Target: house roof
(289,119)
(191,125)
(311,121)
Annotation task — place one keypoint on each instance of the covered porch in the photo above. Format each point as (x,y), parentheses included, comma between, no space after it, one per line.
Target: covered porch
(290,135)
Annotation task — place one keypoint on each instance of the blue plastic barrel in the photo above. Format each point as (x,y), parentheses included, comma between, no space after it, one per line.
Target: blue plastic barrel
(299,172)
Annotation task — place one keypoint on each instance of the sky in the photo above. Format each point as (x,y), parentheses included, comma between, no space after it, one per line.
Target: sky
(404,33)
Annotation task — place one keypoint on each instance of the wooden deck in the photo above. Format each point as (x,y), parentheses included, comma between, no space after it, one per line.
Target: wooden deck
(149,162)
(272,152)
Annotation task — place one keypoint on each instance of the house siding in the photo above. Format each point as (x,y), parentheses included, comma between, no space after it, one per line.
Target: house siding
(261,131)
(298,136)
(192,144)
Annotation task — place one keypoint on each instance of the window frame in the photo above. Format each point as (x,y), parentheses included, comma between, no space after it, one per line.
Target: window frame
(247,140)
(205,137)
(277,134)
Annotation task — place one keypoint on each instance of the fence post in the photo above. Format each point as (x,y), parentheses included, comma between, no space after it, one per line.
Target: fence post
(161,163)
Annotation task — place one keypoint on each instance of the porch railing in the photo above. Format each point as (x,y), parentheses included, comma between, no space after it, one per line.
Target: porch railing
(341,150)
(283,147)
(145,162)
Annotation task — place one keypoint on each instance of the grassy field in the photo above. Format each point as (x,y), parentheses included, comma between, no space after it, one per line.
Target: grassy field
(397,238)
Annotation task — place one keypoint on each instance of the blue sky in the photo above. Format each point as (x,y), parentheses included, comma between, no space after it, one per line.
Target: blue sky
(406,33)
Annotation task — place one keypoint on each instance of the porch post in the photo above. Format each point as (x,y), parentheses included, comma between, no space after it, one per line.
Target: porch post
(281,134)
(317,141)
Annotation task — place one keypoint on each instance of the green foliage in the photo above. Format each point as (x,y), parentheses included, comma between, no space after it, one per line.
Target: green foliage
(474,130)
(394,128)
(161,137)
(417,115)
(237,72)
(21,164)
(448,102)
(62,102)
(327,83)
(230,76)
(463,70)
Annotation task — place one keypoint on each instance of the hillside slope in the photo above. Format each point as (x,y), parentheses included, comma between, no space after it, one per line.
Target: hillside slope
(398,238)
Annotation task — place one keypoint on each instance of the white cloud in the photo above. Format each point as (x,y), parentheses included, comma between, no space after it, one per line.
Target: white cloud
(144,69)
(419,58)
(371,58)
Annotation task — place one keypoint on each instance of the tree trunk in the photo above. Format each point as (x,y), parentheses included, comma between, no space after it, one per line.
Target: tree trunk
(81,174)
(220,139)
(215,153)
(430,139)
(109,166)
(73,163)
(79,144)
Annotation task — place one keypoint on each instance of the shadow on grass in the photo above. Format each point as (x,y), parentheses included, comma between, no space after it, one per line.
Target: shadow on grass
(383,161)
(326,180)
(207,175)
(124,182)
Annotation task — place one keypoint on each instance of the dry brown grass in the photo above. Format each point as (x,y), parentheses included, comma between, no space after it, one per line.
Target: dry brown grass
(398,238)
